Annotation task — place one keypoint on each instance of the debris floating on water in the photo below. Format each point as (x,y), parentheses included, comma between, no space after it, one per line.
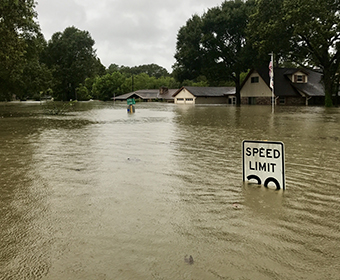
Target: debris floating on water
(237,206)
(189,260)
(133,159)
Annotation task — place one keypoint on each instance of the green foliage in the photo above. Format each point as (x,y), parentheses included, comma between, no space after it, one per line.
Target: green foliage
(144,81)
(82,93)
(244,75)
(71,57)
(36,77)
(58,108)
(17,25)
(105,87)
(266,33)
(188,50)
(152,70)
(200,81)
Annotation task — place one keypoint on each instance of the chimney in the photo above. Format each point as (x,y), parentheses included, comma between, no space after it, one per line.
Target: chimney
(163,90)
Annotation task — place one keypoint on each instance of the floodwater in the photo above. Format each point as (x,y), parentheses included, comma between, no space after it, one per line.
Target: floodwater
(101,194)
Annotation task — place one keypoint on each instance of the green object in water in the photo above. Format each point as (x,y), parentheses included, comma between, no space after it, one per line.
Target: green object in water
(131,101)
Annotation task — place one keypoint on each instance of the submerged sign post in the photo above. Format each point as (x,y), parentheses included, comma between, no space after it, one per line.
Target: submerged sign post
(130,103)
(263,161)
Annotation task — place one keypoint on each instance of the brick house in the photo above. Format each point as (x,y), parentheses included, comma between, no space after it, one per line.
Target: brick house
(292,86)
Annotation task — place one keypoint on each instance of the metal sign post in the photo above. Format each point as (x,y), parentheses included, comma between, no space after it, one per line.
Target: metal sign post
(271,79)
(130,103)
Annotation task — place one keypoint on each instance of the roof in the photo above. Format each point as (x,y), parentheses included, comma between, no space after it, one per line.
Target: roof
(208,91)
(284,87)
(282,84)
(143,94)
(291,71)
(167,95)
(314,87)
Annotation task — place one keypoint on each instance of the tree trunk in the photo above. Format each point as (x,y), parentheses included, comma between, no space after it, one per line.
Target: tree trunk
(328,85)
(238,89)
(336,101)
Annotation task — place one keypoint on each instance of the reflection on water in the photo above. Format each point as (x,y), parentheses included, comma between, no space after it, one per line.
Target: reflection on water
(101,194)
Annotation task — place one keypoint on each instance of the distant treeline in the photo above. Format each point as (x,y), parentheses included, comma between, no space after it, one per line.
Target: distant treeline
(214,49)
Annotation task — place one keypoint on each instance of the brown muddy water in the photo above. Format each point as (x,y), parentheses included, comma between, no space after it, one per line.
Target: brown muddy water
(100,194)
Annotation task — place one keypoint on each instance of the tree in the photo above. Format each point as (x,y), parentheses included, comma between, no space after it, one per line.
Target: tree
(16,25)
(215,45)
(36,78)
(113,68)
(152,70)
(71,56)
(306,32)
(144,81)
(225,47)
(83,93)
(188,54)
(105,87)
(266,17)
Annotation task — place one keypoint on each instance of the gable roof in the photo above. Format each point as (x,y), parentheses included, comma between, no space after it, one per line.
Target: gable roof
(208,91)
(314,87)
(284,87)
(167,95)
(142,94)
(282,84)
(291,71)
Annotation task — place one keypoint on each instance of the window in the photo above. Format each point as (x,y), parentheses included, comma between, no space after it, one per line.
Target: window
(180,99)
(282,100)
(189,99)
(232,100)
(254,80)
(252,100)
(299,79)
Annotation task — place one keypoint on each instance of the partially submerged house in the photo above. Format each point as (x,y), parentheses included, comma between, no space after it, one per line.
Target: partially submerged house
(142,95)
(292,86)
(205,95)
(147,95)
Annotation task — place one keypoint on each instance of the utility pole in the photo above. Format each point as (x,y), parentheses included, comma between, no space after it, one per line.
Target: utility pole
(132,84)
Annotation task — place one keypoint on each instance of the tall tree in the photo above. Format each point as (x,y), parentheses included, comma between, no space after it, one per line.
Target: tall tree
(226,52)
(215,45)
(267,18)
(16,25)
(304,31)
(188,54)
(36,78)
(71,56)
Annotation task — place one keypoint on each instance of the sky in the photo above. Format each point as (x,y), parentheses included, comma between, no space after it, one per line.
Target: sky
(126,32)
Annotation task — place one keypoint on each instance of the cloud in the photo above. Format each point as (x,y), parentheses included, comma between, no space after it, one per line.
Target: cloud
(127,32)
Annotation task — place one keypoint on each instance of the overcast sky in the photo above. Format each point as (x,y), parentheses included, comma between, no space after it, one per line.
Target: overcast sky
(126,32)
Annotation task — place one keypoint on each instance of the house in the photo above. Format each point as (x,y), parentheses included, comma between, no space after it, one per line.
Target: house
(146,95)
(142,95)
(292,86)
(205,95)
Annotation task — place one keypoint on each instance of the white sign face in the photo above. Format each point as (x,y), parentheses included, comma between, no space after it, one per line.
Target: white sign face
(263,161)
